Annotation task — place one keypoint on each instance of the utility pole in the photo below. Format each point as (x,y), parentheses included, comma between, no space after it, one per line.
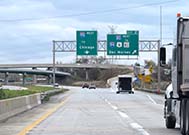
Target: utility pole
(159,45)
(54,66)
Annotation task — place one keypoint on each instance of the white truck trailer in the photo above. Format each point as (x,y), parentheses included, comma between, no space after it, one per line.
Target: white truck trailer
(124,84)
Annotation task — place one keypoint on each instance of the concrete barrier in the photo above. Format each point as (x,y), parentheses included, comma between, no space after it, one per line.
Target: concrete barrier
(111,81)
(14,106)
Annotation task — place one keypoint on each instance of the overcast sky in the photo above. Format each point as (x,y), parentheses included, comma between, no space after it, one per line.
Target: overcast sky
(29,26)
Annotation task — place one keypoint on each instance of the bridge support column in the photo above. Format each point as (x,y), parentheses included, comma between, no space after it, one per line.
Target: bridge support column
(86,74)
(75,73)
(35,79)
(50,79)
(6,78)
(34,76)
(24,79)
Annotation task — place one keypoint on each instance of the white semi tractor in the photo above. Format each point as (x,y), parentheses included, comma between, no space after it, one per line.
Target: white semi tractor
(176,109)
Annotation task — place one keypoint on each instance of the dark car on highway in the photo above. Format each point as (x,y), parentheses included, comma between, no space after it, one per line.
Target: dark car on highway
(92,86)
(85,85)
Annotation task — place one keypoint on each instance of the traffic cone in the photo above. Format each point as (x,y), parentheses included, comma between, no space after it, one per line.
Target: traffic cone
(158,91)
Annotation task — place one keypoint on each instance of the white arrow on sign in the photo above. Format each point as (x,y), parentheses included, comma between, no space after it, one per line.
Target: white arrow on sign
(87,52)
(135,51)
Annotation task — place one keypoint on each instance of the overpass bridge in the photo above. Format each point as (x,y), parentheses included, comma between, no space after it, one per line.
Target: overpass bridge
(86,66)
(24,72)
(33,69)
(35,72)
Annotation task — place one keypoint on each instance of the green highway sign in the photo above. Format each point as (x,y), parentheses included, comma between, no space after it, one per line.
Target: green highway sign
(132,32)
(122,44)
(86,42)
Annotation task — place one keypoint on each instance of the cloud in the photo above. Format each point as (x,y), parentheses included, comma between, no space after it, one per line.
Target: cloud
(31,41)
(33,38)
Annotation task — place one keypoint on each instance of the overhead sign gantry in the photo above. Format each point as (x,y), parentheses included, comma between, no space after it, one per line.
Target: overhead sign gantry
(87,44)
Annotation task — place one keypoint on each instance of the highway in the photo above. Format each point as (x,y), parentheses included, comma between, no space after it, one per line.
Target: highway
(93,112)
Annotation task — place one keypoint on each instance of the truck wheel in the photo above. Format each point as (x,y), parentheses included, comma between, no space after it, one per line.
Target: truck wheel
(183,117)
(170,122)
(187,118)
(170,119)
(117,92)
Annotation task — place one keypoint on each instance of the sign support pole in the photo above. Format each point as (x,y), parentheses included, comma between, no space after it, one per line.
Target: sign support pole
(54,79)
(159,44)
(159,70)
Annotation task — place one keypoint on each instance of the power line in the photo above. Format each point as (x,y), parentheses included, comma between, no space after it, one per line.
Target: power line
(88,13)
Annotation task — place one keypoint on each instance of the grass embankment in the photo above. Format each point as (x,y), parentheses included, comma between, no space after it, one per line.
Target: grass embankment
(5,93)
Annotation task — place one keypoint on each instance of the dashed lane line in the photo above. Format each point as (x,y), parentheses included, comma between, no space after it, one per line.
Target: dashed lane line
(123,114)
(134,125)
(114,107)
(151,99)
(139,128)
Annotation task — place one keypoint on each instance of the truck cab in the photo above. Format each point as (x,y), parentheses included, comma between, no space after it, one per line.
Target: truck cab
(176,108)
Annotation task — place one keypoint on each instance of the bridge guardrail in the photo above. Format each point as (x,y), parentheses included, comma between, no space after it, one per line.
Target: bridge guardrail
(45,95)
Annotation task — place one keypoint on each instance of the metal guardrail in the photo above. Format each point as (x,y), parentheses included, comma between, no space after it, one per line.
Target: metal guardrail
(48,93)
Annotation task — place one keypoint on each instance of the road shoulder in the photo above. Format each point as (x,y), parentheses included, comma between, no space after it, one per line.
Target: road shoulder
(19,122)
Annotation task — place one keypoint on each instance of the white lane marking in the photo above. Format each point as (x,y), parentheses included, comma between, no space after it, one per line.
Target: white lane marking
(136,126)
(107,101)
(123,114)
(114,107)
(152,100)
(139,128)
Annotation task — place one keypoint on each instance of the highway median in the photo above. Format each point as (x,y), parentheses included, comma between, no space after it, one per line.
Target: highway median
(7,93)
(13,102)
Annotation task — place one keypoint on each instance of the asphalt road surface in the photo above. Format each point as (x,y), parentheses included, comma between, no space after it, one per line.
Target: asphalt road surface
(98,112)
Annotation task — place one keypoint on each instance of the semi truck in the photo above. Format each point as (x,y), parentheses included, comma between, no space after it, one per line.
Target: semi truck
(124,84)
(176,108)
